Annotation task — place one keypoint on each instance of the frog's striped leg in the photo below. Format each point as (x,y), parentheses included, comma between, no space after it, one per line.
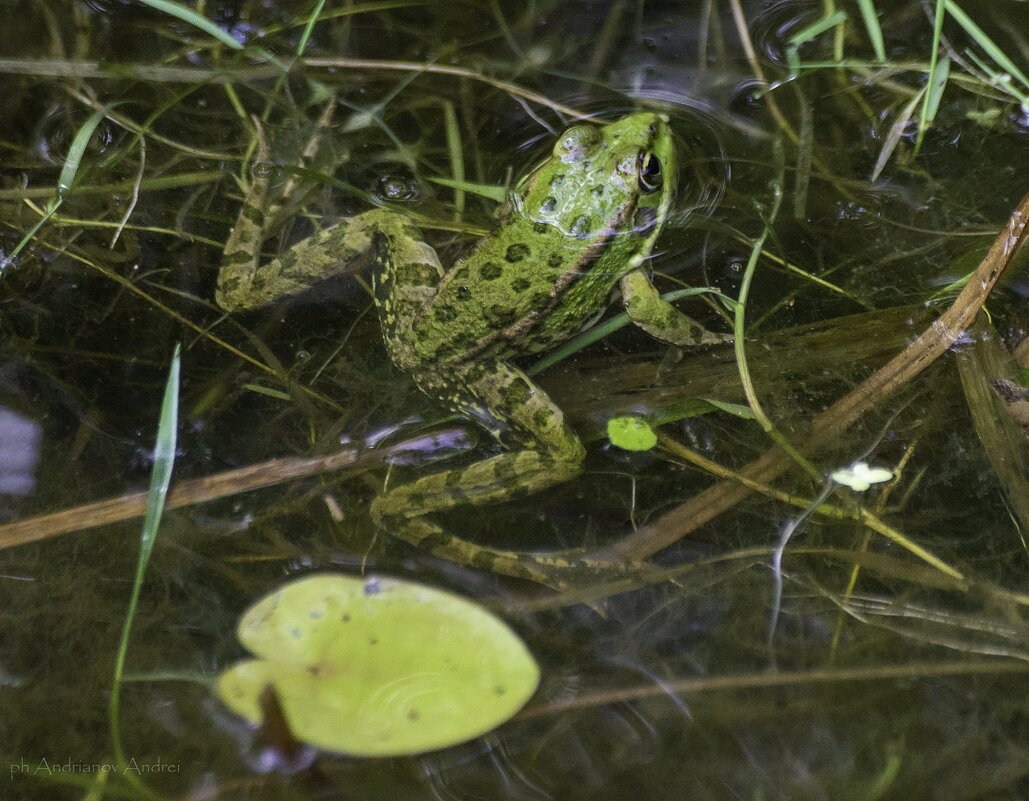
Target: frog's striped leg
(342,249)
(659,318)
(282,203)
(242,253)
(549,453)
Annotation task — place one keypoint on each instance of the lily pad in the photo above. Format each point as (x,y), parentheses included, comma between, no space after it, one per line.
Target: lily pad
(375,666)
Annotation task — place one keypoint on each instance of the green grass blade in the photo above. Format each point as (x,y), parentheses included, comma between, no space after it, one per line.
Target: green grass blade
(187,14)
(164,460)
(739,330)
(305,37)
(806,34)
(73,160)
(991,48)
(65,181)
(894,136)
(999,80)
(160,478)
(934,56)
(455,150)
(600,330)
(935,90)
(8,262)
(816,28)
(488,191)
(875,33)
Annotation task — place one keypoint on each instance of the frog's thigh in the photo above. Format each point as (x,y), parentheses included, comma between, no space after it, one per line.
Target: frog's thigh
(509,404)
(342,248)
(245,284)
(404,279)
(659,318)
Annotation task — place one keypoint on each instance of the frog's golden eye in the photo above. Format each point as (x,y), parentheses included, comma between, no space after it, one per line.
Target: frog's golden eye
(649,170)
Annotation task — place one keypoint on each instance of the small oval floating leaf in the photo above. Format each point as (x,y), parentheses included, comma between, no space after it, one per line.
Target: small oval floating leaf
(378,666)
(631,433)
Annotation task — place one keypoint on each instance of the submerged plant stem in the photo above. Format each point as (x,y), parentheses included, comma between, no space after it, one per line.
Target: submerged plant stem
(739,343)
(863,516)
(744,681)
(827,426)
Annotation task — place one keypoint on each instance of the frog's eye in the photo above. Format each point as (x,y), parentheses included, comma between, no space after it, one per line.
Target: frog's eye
(649,170)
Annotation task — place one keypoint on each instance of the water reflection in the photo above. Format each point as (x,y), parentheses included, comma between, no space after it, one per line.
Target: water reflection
(19,453)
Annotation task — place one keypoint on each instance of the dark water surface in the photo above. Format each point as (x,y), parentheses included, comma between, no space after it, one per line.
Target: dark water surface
(930,699)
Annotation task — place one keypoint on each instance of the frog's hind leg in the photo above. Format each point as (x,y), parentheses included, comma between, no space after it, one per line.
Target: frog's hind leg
(396,246)
(549,453)
(243,283)
(342,249)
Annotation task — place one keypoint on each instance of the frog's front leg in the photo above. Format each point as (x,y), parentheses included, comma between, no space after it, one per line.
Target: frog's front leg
(659,318)
(547,453)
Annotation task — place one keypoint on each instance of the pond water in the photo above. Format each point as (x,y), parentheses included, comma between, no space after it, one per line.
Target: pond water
(796,639)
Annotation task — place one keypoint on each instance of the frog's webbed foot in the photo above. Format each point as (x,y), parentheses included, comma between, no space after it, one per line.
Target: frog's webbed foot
(550,453)
(659,318)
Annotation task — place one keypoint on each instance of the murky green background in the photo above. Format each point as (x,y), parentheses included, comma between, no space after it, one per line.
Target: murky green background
(87,329)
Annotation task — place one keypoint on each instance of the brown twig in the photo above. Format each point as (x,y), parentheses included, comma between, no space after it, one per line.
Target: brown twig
(209,488)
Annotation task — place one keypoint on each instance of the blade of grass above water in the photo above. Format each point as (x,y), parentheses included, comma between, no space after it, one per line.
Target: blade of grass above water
(160,478)
(190,16)
(934,56)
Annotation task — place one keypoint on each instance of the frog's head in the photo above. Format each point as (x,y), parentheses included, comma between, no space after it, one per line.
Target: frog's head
(607,180)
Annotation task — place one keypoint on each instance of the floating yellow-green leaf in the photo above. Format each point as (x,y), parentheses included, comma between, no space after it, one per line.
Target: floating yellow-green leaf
(631,433)
(377,666)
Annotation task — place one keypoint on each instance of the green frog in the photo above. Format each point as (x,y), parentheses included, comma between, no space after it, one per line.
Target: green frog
(579,226)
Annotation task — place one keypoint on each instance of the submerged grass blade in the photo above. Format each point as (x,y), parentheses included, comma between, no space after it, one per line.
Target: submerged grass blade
(999,80)
(875,33)
(160,478)
(488,191)
(992,49)
(305,37)
(73,160)
(893,137)
(187,14)
(935,89)
(739,329)
(597,332)
(807,33)
(816,28)
(455,150)
(65,182)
